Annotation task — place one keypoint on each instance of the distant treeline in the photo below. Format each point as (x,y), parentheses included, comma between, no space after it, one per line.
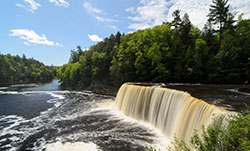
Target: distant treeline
(15,69)
(172,52)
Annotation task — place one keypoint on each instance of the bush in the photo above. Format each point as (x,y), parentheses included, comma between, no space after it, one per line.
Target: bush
(233,137)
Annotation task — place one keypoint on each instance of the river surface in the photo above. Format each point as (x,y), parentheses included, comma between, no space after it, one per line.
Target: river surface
(46,118)
(229,97)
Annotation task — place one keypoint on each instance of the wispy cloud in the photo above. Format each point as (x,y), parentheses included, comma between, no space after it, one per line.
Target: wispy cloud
(62,3)
(148,14)
(58,44)
(153,12)
(105,19)
(29,5)
(95,38)
(31,37)
(113,27)
(92,9)
(26,43)
(196,9)
(96,12)
(130,9)
(242,6)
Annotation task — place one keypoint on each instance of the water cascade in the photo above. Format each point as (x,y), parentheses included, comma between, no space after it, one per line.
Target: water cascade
(174,113)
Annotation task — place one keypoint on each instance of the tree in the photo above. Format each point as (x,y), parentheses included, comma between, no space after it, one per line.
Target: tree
(200,59)
(176,23)
(171,52)
(75,55)
(16,69)
(186,27)
(218,14)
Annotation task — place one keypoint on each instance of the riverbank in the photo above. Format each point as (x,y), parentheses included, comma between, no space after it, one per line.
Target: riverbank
(104,89)
(20,85)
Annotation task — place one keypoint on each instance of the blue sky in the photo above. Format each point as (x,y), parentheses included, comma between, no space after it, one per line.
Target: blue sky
(48,29)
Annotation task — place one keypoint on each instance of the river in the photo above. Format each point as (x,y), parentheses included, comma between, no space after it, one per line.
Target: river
(46,118)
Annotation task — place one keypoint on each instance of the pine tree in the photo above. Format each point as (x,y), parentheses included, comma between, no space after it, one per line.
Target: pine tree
(176,23)
(219,14)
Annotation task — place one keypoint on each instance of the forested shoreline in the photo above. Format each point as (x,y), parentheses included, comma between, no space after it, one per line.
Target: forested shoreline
(175,51)
(16,70)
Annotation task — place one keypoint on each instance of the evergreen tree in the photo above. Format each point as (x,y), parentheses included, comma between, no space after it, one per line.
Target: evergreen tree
(218,14)
(171,52)
(176,23)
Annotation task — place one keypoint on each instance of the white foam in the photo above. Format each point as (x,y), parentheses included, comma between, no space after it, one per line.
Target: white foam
(11,130)
(56,95)
(9,92)
(161,142)
(237,91)
(60,145)
(77,146)
(15,120)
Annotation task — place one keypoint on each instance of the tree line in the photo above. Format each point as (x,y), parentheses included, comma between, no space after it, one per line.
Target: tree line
(175,51)
(16,69)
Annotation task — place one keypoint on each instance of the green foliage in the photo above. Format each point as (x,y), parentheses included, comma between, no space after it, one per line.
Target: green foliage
(219,15)
(151,148)
(75,55)
(233,136)
(176,23)
(144,56)
(14,69)
(171,52)
(90,66)
(219,12)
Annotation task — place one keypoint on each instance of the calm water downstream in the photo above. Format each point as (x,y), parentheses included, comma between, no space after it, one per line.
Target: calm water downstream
(44,117)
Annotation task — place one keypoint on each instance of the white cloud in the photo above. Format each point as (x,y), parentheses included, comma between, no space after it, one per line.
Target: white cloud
(91,9)
(105,19)
(97,12)
(149,14)
(58,44)
(114,27)
(130,32)
(130,9)
(154,12)
(198,9)
(85,49)
(31,5)
(242,6)
(138,26)
(26,43)
(60,3)
(31,37)
(95,38)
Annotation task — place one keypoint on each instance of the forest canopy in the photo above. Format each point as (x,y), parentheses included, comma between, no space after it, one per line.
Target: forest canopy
(175,51)
(16,69)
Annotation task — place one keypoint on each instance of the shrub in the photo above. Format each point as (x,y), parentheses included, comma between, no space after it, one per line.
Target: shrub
(233,137)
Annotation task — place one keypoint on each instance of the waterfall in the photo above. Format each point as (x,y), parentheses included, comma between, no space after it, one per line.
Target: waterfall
(174,113)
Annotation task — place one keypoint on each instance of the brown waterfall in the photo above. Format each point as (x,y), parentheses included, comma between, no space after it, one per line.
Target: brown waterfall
(174,113)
